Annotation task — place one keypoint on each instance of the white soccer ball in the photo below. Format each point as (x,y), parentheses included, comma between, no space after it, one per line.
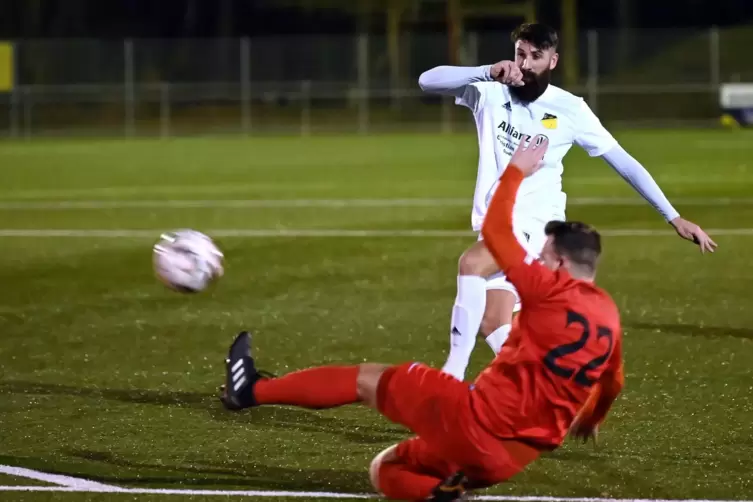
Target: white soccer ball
(187,261)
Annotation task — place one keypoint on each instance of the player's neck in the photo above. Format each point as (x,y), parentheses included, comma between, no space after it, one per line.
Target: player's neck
(581,275)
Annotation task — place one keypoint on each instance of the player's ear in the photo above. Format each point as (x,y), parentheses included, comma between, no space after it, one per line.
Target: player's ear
(554,60)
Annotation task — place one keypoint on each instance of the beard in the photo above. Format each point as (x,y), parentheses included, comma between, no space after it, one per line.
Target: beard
(534,86)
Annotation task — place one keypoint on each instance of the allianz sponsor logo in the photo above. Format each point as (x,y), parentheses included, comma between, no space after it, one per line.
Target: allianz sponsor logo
(507,133)
(509,130)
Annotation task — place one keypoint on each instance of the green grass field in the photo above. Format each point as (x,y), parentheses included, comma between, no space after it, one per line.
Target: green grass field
(108,376)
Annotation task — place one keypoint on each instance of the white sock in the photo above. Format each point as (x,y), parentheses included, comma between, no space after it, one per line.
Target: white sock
(467,313)
(498,338)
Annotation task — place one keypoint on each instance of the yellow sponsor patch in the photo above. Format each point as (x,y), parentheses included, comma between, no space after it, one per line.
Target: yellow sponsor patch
(549,121)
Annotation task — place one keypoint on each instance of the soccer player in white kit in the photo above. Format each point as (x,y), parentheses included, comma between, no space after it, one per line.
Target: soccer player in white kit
(511,101)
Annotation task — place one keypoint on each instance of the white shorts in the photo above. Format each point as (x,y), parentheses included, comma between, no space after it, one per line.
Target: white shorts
(530,233)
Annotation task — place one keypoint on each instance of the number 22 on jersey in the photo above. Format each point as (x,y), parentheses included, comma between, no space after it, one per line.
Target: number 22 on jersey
(557,358)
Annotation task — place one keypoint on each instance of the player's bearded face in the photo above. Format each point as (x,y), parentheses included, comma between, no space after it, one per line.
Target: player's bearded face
(535,85)
(536,66)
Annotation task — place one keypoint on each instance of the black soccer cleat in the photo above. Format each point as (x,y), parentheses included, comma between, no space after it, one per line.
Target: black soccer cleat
(452,489)
(240,375)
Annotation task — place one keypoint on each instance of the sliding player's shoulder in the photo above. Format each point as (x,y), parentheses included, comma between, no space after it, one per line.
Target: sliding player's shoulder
(607,306)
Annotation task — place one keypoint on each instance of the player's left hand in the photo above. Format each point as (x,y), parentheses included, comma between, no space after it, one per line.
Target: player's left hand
(579,430)
(530,154)
(692,232)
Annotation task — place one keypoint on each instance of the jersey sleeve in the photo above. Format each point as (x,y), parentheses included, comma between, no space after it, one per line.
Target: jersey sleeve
(605,391)
(531,279)
(458,81)
(591,135)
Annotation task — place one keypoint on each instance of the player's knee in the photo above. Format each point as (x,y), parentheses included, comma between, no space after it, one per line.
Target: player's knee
(477,260)
(387,455)
(500,306)
(368,381)
(488,326)
(492,322)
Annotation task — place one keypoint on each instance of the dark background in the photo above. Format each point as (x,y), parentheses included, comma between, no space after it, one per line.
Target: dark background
(231,18)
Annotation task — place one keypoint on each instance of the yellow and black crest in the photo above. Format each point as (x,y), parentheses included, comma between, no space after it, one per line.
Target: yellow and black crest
(549,121)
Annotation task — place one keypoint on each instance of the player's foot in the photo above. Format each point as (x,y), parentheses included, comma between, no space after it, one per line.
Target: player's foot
(451,489)
(240,375)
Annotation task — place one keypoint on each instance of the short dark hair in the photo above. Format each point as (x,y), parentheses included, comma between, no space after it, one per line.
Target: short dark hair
(577,241)
(537,34)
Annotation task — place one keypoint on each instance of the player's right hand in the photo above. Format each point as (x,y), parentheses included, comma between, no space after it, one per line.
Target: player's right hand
(530,153)
(579,430)
(692,232)
(508,73)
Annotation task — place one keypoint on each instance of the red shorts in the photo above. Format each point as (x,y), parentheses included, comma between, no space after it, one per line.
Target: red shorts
(436,407)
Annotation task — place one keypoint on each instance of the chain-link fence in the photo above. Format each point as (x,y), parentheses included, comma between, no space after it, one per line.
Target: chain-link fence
(363,83)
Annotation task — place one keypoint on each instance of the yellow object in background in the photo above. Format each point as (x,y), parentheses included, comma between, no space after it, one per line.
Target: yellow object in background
(7,68)
(728,120)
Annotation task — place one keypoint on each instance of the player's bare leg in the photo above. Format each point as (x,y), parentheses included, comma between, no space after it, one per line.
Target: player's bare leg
(388,474)
(329,387)
(497,321)
(367,382)
(394,479)
(385,456)
(474,266)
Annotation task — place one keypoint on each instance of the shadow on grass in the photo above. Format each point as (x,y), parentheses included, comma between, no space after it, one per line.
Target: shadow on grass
(272,417)
(693,329)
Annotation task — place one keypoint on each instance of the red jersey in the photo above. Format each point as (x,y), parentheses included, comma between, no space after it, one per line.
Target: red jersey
(564,353)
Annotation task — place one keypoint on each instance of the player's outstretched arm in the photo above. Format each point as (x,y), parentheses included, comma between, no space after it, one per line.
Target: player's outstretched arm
(452,80)
(641,180)
(497,231)
(594,138)
(602,396)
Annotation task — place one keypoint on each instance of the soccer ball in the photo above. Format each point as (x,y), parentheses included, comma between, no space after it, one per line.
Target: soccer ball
(187,261)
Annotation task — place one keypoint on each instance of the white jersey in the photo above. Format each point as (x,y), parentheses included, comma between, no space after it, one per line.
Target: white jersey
(501,121)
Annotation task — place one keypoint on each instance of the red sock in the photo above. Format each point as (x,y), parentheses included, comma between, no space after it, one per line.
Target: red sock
(397,481)
(316,388)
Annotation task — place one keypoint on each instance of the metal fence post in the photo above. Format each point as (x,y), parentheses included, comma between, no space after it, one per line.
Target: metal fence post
(128,88)
(472,50)
(246,84)
(13,112)
(164,110)
(14,95)
(306,108)
(362,51)
(714,57)
(27,104)
(446,121)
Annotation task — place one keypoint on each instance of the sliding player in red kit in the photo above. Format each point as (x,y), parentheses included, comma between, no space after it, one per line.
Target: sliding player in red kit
(559,372)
